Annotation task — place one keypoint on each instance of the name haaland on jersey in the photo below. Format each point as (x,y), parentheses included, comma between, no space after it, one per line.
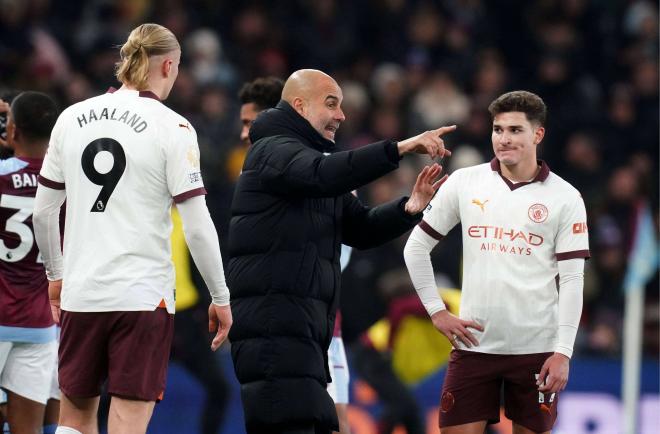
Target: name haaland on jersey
(122,158)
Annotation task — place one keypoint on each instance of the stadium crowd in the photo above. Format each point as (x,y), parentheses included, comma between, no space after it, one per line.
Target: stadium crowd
(404,66)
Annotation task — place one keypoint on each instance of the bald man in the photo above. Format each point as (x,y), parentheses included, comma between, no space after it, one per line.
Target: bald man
(291,212)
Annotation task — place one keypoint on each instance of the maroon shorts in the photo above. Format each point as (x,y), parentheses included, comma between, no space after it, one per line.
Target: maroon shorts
(129,349)
(475,382)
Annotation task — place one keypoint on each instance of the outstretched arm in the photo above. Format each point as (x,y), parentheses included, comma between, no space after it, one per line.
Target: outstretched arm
(288,166)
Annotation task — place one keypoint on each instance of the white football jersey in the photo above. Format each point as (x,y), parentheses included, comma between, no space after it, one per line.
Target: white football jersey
(122,158)
(513,236)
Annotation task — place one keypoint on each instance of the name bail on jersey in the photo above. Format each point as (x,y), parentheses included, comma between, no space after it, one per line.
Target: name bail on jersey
(134,121)
(21,180)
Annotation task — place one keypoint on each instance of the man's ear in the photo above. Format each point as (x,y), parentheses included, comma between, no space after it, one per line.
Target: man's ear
(539,133)
(299,105)
(166,67)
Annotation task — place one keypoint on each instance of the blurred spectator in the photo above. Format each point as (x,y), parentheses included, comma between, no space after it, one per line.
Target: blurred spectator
(439,102)
(77,89)
(388,84)
(490,78)
(356,106)
(464,156)
(204,49)
(584,167)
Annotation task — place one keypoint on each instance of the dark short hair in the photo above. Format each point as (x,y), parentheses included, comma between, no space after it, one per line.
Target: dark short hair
(520,101)
(34,114)
(263,92)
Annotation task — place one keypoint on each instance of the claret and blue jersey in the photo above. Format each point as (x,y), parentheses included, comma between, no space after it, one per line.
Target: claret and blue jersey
(25,315)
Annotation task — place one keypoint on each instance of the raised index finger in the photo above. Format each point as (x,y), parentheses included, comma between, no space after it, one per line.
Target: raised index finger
(444,130)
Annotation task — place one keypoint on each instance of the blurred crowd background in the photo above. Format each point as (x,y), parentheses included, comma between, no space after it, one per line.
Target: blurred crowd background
(404,66)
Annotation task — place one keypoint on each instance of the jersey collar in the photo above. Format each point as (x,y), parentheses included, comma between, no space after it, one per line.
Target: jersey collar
(540,177)
(142,93)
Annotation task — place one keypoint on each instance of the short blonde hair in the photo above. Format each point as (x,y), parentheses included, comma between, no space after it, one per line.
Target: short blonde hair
(144,41)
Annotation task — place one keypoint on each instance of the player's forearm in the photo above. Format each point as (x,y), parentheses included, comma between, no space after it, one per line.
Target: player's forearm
(418,260)
(46,221)
(571,282)
(204,246)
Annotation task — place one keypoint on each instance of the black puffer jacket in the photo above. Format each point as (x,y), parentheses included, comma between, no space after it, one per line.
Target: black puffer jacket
(291,211)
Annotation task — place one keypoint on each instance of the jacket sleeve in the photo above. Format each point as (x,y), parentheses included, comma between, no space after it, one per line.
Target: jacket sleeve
(364,227)
(287,166)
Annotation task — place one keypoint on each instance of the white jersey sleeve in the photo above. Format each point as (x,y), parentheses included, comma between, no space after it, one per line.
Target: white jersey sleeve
(416,254)
(204,246)
(571,283)
(572,235)
(46,221)
(184,178)
(443,213)
(52,170)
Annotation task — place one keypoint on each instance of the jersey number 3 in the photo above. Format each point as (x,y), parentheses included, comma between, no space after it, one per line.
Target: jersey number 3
(16,224)
(108,180)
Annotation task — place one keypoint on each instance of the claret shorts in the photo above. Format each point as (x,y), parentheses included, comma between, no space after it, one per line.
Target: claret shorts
(128,349)
(474,384)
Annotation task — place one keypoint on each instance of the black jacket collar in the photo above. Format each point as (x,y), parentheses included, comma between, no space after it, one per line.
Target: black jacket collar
(283,120)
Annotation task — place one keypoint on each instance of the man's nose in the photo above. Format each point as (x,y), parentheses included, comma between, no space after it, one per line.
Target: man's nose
(340,116)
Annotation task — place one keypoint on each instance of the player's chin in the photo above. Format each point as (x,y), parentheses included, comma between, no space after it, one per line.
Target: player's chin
(506,158)
(330,135)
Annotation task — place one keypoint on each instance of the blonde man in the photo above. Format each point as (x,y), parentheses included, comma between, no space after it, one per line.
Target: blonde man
(120,159)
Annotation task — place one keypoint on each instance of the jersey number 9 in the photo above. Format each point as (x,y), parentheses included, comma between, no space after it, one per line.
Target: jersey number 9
(107,180)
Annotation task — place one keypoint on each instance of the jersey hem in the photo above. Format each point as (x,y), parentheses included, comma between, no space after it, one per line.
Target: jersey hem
(143,308)
(508,353)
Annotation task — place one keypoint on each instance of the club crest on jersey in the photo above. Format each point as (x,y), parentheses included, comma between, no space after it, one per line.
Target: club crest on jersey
(538,213)
(480,204)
